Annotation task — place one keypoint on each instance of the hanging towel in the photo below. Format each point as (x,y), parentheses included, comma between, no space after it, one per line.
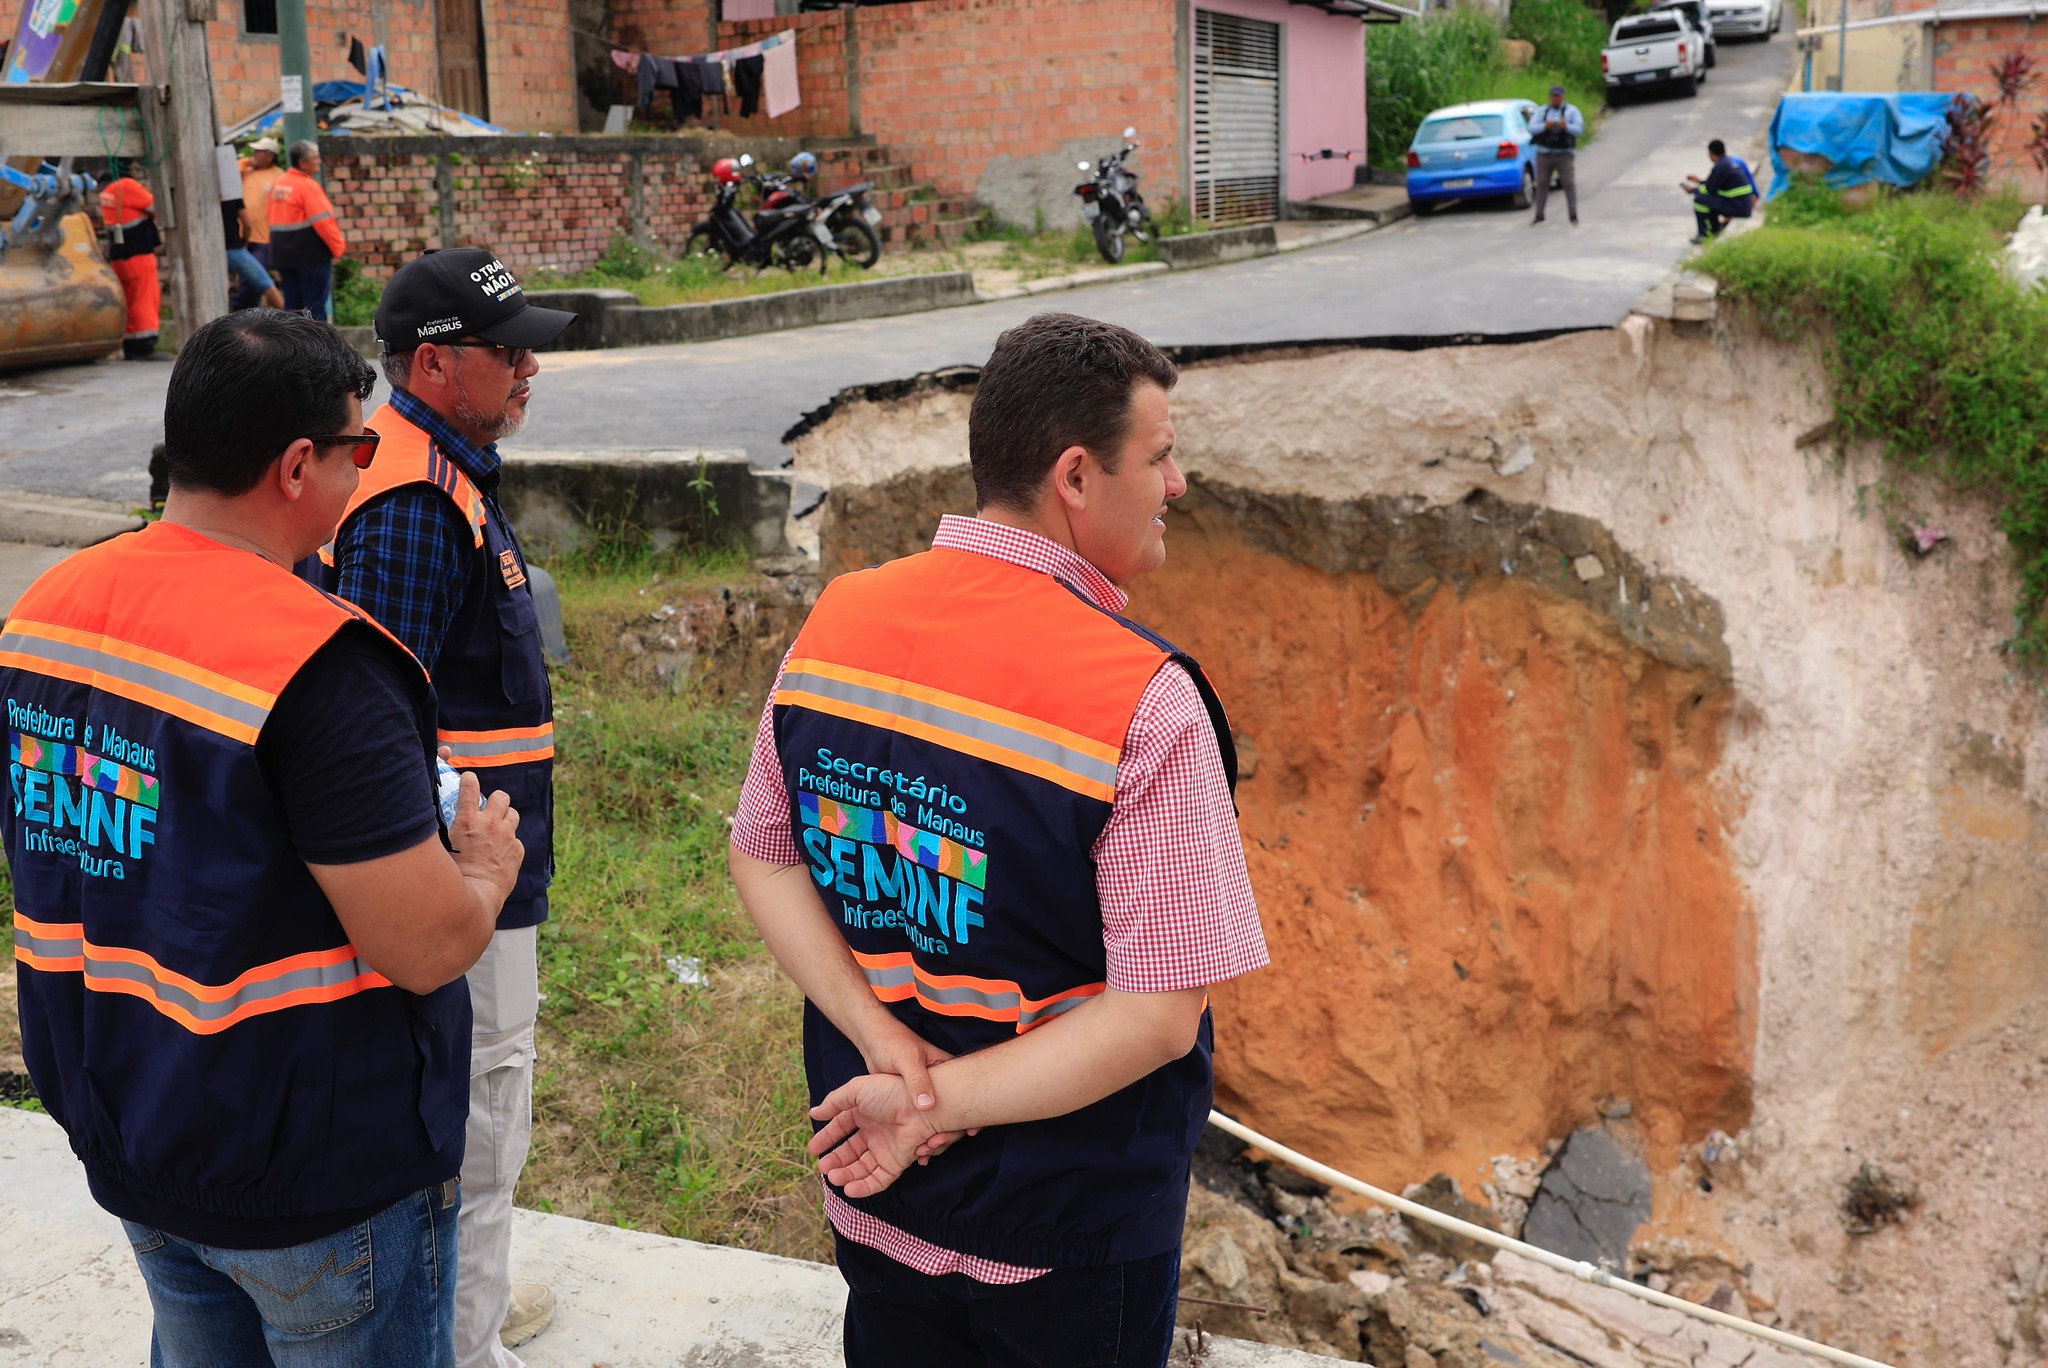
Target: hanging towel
(688,96)
(624,60)
(711,79)
(778,80)
(746,82)
(644,65)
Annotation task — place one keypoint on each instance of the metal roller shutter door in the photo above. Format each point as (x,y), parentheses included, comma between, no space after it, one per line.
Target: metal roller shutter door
(1237,118)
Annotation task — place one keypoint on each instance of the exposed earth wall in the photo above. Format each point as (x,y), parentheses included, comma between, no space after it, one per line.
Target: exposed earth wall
(1609,763)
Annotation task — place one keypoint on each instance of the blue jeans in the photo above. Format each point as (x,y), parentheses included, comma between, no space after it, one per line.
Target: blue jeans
(307,287)
(1118,1316)
(379,1293)
(243,265)
(247,296)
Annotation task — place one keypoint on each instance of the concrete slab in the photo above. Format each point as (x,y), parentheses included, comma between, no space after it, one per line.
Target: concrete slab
(70,1295)
(1380,203)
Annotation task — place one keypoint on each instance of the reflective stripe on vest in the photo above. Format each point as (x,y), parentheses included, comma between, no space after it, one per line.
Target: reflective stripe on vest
(988,733)
(511,746)
(899,978)
(203,1009)
(276,227)
(148,677)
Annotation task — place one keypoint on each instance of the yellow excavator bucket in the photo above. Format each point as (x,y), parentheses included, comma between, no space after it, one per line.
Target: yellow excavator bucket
(59,300)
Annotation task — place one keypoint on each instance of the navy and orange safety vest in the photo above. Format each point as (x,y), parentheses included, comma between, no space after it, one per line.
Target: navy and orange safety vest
(302,227)
(192,1011)
(491,680)
(950,727)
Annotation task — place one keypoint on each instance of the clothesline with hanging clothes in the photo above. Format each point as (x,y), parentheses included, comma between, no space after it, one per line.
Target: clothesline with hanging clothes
(758,73)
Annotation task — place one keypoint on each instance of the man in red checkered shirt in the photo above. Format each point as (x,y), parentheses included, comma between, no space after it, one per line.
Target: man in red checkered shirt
(988,830)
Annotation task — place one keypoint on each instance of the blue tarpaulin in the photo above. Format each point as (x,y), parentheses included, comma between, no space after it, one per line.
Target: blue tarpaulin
(1894,138)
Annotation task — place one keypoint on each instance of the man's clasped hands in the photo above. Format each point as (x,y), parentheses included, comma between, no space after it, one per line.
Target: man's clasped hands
(878,1125)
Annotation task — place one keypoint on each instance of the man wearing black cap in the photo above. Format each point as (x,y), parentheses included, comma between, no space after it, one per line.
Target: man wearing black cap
(424,546)
(1556,128)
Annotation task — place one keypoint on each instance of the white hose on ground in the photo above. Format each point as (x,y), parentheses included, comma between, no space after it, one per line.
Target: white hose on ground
(1578,1268)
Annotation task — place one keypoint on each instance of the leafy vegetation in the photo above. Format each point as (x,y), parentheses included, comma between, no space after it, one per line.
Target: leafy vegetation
(1451,56)
(670,1092)
(1931,350)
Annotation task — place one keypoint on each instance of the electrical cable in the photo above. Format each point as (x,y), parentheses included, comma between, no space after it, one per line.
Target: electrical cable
(1578,1268)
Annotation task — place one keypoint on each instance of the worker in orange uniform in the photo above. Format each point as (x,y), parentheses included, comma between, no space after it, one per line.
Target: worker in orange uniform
(305,241)
(260,172)
(129,212)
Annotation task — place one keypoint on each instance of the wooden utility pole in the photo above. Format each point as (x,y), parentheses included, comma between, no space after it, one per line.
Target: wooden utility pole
(177,106)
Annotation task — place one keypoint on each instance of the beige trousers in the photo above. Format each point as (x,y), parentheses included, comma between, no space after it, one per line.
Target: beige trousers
(504,995)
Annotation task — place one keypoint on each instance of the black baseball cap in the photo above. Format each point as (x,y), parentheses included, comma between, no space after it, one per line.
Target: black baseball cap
(462,292)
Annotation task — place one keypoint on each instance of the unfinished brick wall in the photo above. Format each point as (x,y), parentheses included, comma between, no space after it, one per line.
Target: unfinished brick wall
(552,204)
(528,64)
(1963,57)
(246,67)
(974,89)
(822,75)
(671,28)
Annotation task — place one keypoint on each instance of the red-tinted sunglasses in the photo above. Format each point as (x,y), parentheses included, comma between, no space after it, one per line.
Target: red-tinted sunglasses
(364,444)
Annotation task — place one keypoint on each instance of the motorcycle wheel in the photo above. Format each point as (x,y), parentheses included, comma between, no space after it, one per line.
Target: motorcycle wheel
(704,247)
(1109,240)
(857,243)
(1144,230)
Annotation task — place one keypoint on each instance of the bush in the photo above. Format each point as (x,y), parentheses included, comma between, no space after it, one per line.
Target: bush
(355,297)
(1451,56)
(1419,65)
(1931,350)
(1568,36)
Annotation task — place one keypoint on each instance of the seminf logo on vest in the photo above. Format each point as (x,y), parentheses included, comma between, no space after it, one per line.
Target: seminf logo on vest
(496,280)
(904,860)
(82,791)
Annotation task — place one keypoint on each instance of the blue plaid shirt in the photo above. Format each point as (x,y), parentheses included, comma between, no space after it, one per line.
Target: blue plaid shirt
(405,557)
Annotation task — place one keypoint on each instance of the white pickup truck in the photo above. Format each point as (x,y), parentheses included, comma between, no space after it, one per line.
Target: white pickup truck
(1660,48)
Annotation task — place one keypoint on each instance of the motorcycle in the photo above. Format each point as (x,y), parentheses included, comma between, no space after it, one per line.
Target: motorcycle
(788,230)
(1111,204)
(846,214)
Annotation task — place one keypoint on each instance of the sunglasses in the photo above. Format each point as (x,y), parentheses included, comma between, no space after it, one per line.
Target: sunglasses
(515,357)
(364,444)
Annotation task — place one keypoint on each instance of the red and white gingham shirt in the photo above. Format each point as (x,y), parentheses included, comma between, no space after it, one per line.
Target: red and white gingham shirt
(1177,908)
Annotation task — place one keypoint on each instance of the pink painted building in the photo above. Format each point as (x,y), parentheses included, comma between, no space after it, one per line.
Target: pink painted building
(1317,58)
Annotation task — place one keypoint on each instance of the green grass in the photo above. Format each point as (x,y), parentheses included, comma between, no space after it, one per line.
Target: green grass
(659,1105)
(695,280)
(1930,350)
(1452,56)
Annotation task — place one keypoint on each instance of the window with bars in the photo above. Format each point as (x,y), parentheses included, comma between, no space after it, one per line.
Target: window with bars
(259,17)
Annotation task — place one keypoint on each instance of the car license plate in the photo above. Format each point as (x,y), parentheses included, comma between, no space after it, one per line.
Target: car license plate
(1643,76)
(1465,184)
(872,215)
(1090,209)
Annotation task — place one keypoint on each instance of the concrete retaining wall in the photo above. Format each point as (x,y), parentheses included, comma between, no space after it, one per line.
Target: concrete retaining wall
(612,318)
(563,500)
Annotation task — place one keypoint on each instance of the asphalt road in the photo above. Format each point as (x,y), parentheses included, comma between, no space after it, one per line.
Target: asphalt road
(86,430)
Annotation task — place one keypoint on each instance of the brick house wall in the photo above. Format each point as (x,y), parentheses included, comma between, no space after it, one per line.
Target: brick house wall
(1963,56)
(822,75)
(671,28)
(999,98)
(552,204)
(528,63)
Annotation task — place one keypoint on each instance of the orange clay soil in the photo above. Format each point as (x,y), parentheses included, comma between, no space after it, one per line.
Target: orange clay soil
(1490,860)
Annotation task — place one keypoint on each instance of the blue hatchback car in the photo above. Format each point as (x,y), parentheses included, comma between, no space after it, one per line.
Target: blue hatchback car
(1473,151)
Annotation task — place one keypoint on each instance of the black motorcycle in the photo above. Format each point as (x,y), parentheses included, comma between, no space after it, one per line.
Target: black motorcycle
(787,230)
(1111,204)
